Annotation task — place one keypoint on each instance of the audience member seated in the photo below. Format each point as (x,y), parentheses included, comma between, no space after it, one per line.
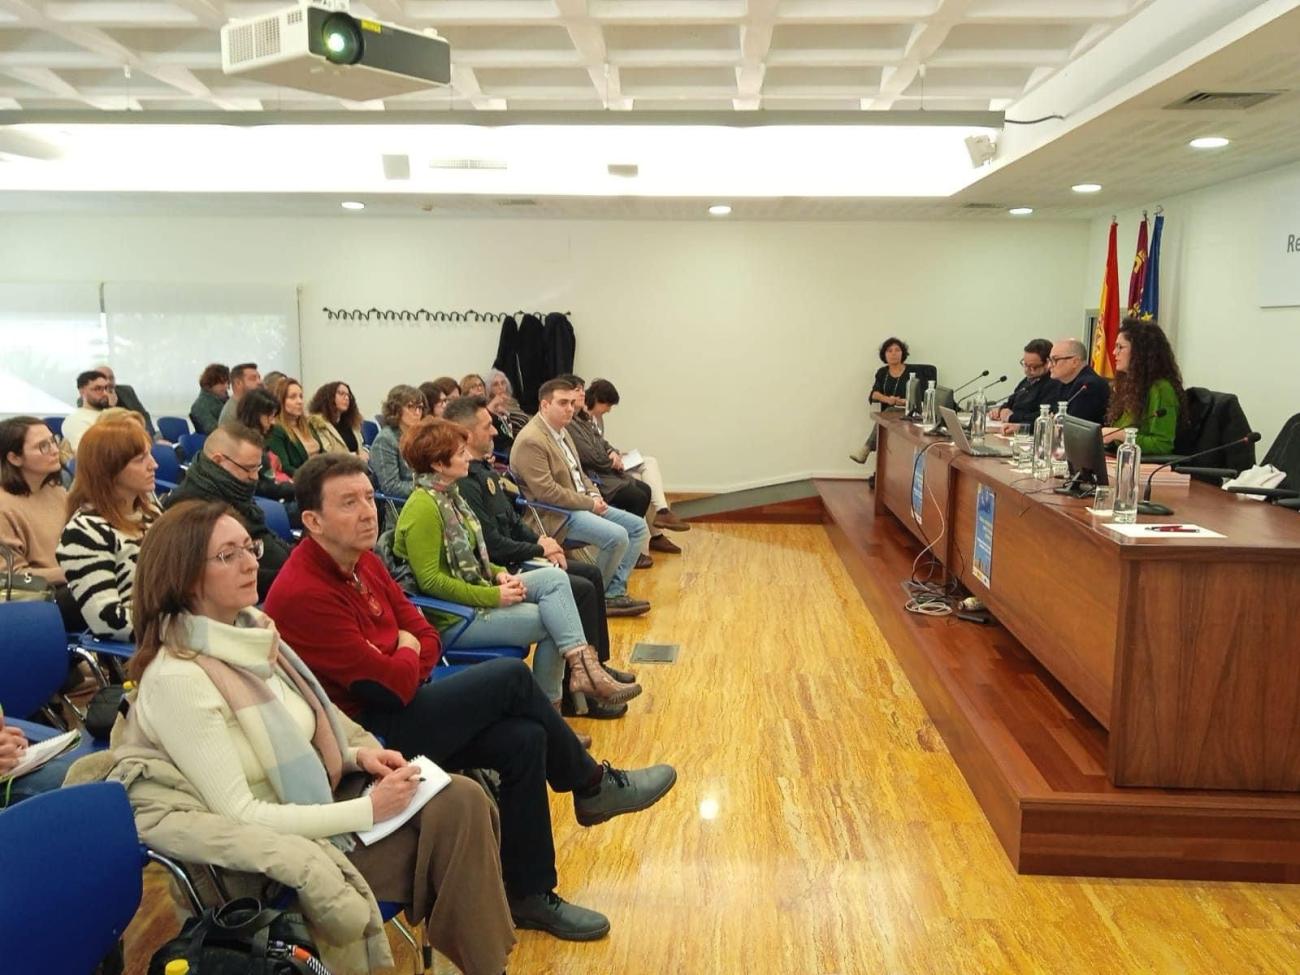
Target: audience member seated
(472,384)
(889,389)
(506,414)
(228,708)
(404,407)
(272,380)
(545,459)
(600,398)
(434,399)
(228,470)
(1075,382)
(34,507)
(1021,407)
(334,406)
(296,436)
(95,392)
(1147,381)
(440,538)
(110,508)
(125,397)
(447,386)
(243,377)
(258,410)
(214,386)
(514,545)
(373,652)
(13,749)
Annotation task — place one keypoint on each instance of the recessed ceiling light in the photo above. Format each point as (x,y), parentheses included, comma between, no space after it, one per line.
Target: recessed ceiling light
(719,209)
(352,205)
(1020,211)
(1209,142)
(1086,187)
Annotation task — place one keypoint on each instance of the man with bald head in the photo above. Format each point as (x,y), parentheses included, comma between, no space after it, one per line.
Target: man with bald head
(1075,382)
(227,470)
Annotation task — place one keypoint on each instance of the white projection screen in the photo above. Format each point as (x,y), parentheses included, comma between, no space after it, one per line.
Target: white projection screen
(157,337)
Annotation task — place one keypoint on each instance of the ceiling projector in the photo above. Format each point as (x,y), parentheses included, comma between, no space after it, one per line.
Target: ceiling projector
(319,47)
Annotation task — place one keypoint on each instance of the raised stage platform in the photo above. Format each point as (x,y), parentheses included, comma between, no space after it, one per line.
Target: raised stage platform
(1033,757)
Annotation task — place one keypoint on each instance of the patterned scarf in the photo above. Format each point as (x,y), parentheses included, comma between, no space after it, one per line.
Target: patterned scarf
(301,772)
(462,535)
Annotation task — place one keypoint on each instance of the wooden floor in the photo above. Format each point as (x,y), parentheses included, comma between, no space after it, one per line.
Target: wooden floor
(819,825)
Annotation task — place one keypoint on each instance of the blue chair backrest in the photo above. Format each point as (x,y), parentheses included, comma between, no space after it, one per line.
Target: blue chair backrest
(369,430)
(277,517)
(191,444)
(55,423)
(71,867)
(173,427)
(33,657)
(169,466)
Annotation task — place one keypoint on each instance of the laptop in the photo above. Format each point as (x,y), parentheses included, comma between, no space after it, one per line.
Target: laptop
(963,442)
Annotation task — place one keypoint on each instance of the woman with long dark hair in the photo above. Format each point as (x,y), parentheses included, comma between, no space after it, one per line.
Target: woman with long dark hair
(1148,388)
(335,405)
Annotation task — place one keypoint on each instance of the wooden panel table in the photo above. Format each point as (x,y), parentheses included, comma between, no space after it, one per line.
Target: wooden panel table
(1186,650)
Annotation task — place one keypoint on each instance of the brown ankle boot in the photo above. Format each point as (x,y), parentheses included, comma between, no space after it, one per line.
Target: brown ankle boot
(598,683)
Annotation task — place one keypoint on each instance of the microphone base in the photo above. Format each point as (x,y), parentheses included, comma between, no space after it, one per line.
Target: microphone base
(1151,508)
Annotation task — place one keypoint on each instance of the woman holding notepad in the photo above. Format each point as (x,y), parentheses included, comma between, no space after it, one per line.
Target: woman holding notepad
(234,709)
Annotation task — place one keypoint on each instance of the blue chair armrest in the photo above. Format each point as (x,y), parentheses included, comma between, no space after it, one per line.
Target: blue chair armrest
(466,614)
(114,648)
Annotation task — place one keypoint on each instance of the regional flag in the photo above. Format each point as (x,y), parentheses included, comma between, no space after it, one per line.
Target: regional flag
(1103,336)
(1138,279)
(1151,291)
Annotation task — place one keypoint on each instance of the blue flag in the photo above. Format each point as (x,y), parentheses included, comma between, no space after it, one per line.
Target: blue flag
(1150,307)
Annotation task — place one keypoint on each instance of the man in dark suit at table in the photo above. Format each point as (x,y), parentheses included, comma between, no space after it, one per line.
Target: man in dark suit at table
(1075,382)
(1021,407)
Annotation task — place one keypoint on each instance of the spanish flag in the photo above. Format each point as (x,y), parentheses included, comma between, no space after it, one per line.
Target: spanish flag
(1103,336)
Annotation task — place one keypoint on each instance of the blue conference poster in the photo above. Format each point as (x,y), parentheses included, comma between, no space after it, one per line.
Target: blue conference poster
(918,485)
(985,504)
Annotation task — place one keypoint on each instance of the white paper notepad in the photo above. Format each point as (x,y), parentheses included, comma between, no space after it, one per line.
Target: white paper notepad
(1162,531)
(435,780)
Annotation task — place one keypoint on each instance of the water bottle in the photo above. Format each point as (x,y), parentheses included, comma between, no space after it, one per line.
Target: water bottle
(913,392)
(1060,466)
(1042,464)
(979,416)
(1128,475)
(929,407)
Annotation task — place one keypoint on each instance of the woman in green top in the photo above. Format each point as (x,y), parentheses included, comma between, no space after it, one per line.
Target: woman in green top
(439,536)
(296,436)
(1148,390)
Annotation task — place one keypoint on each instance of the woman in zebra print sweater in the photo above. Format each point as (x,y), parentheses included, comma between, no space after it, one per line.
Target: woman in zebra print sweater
(111,506)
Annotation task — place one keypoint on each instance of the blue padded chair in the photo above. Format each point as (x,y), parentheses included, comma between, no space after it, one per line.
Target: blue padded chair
(33,656)
(55,423)
(277,517)
(173,428)
(465,615)
(369,430)
(169,466)
(71,863)
(191,444)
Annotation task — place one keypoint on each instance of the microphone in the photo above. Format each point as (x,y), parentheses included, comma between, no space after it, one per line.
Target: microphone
(999,380)
(1076,394)
(1148,507)
(965,384)
(1206,471)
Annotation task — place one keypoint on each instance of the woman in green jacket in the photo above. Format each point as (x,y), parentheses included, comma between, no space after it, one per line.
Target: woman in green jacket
(1148,390)
(296,436)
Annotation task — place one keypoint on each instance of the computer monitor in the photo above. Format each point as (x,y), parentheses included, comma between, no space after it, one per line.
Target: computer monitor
(943,396)
(915,390)
(1086,457)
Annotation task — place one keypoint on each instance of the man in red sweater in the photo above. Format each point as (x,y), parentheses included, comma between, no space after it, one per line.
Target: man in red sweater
(337,606)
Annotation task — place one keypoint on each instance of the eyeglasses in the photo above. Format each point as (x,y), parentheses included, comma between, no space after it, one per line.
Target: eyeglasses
(372,602)
(246,468)
(1026,365)
(47,446)
(253,548)
(101,387)
(1054,359)
(418,407)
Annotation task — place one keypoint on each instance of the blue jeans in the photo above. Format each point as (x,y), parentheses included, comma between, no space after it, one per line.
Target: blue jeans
(617,536)
(547,617)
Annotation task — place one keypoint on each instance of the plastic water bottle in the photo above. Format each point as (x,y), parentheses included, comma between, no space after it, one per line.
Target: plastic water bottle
(1042,463)
(929,407)
(1060,466)
(979,417)
(1128,475)
(913,394)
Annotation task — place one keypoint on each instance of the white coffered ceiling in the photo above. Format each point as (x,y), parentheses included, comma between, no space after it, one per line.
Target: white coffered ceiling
(624,55)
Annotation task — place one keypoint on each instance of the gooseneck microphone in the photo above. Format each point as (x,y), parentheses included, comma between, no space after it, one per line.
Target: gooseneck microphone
(975,380)
(996,382)
(1148,507)
(1076,394)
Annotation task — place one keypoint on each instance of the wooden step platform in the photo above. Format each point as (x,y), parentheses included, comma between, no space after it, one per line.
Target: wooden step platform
(1033,757)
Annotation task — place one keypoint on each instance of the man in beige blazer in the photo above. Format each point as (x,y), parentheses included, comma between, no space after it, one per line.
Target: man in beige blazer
(545,460)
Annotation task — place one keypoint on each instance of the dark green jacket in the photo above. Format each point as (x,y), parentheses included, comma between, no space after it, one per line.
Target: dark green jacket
(206,411)
(509,541)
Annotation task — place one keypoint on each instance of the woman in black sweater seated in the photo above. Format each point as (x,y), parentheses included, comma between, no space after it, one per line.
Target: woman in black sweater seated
(889,389)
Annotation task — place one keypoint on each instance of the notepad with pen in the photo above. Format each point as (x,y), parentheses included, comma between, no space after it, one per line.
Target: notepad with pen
(434,781)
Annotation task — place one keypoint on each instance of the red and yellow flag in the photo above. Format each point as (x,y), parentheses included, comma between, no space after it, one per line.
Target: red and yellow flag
(1137,282)
(1103,336)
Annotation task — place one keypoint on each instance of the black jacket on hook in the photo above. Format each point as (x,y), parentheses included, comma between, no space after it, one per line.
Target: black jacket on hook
(531,351)
(557,335)
(507,359)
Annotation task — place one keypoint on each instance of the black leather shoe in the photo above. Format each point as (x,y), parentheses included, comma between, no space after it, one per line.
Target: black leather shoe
(595,709)
(625,606)
(622,676)
(623,791)
(551,913)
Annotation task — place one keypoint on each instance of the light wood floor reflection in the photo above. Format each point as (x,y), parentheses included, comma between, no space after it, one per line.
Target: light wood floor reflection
(819,825)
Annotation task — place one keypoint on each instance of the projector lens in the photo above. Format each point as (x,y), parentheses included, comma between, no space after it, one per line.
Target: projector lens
(342,37)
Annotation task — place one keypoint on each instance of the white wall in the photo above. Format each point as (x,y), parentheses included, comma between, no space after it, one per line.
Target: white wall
(1209,292)
(743,351)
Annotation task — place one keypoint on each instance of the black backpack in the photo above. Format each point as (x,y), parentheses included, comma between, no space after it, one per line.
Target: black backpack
(242,938)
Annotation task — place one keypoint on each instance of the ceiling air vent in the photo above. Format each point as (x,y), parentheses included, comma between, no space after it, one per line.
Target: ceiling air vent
(467,164)
(1222,100)
(983,206)
(517,201)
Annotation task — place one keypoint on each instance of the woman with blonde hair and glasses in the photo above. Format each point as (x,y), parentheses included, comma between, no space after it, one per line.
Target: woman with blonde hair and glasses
(110,508)
(246,724)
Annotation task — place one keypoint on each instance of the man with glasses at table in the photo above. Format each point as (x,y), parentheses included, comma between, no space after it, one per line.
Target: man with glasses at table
(96,392)
(1075,382)
(227,470)
(1021,407)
